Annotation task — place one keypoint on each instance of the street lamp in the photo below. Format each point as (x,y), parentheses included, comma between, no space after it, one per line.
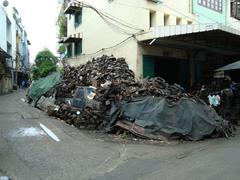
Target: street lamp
(5,3)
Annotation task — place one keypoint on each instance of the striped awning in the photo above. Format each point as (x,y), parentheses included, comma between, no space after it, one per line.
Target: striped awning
(73,7)
(72,38)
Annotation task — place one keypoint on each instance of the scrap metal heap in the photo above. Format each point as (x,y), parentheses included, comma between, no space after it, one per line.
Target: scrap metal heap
(120,84)
(229,93)
(115,83)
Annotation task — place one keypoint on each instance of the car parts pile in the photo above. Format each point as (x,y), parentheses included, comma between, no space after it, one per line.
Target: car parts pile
(115,86)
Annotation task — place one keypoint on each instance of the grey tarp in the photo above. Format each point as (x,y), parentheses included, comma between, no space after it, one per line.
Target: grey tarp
(155,116)
(43,85)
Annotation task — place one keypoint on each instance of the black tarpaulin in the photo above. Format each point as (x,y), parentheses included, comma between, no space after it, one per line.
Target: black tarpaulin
(155,117)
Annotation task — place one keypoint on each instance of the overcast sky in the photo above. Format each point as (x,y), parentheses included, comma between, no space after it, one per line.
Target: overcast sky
(39,18)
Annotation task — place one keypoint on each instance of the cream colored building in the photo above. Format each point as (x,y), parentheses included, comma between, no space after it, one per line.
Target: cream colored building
(156,38)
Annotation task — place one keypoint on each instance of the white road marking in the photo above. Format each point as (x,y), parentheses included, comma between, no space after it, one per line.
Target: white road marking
(50,133)
(28,132)
(4,178)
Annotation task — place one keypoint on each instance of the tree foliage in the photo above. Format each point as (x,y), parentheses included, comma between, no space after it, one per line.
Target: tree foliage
(62,26)
(45,64)
(61,49)
(44,55)
(62,19)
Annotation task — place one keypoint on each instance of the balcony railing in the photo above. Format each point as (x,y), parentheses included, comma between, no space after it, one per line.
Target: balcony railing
(73,7)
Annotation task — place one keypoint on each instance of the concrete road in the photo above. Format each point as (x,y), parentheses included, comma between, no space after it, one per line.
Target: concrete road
(27,152)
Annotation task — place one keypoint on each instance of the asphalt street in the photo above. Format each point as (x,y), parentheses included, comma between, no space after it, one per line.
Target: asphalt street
(28,152)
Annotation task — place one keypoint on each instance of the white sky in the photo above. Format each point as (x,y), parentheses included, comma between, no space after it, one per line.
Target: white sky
(39,19)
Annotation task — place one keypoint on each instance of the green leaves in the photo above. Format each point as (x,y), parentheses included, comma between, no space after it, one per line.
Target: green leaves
(62,26)
(45,64)
(62,49)
(46,54)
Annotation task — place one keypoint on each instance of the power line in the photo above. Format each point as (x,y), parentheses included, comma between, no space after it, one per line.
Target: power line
(140,7)
(179,13)
(108,22)
(110,47)
(122,23)
(123,4)
(113,18)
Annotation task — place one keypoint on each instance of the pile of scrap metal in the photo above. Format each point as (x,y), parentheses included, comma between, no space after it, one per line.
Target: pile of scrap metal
(104,95)
(228,93)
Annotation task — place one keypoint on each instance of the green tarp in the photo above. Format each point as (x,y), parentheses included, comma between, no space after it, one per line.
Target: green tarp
(43,85)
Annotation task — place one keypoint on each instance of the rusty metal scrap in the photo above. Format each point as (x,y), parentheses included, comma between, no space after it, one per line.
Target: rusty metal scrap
(115,82)
(105,68)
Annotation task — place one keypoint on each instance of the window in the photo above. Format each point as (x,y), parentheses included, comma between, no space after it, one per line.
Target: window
(216,5)
(152,19)
(235,9)
(78,48)
(178,21)
(69,50)
(78,18)
(166,20)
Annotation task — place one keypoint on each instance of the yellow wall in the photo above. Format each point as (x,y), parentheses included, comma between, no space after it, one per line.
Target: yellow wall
(97,34)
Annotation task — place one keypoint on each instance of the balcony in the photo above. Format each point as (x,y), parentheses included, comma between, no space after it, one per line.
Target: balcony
(73,7)
(72,38)
(156,1)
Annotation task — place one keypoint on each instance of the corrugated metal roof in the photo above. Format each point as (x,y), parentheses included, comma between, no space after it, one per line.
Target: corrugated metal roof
(232,66)
(167,31)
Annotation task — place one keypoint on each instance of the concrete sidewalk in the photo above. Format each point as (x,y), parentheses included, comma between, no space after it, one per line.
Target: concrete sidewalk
(27,152)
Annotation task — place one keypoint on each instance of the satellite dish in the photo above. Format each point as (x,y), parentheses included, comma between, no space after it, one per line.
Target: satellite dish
(5,3)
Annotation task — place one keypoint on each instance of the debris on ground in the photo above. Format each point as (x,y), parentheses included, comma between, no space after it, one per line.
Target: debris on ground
(104,95)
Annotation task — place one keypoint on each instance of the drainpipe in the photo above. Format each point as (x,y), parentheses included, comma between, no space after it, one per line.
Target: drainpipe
(190,6)
(226,12)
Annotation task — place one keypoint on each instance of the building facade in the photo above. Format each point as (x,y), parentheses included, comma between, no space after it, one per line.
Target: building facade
(210,11)
(157,38)
(5,56)
(14,48)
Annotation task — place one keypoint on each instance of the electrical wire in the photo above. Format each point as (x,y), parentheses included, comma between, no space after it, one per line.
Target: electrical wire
(184,15)
(128,5)
(128,24)
(111,47)
(109,23)
(113,26)
(109,19)
(140,7)
(116,19)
